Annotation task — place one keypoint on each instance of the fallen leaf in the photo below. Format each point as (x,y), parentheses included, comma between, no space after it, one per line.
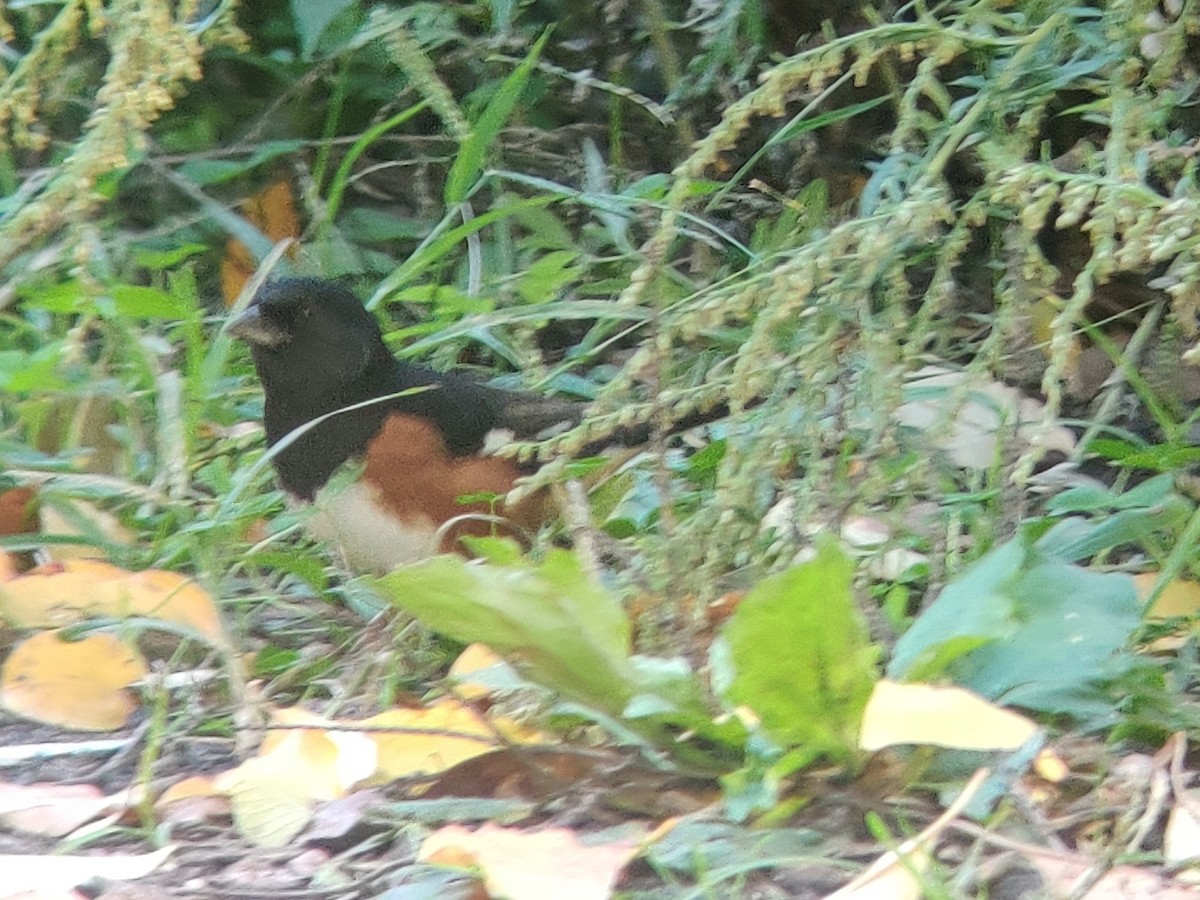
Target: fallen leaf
(478,671)
(438,737)
(77,684)
(50,809)
(273,211)
(964,415)
(273,794)
(1178,598)
(1063,871)
(63,594)
(336,820)
(59,872)
(194,799)
(80,519)
(1181,840)
(18,511)
(943,716)
(532,865)
(271,802)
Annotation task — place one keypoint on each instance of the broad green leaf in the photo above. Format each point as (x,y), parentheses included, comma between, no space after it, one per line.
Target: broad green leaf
(35,372)
(140,302)
(1076,538)
(976,608)
(471,155)
(552,621)
(1089,498)
(1027,629)
(801,658)
(312,17)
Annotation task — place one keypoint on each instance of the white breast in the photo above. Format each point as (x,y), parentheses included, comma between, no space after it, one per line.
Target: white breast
(348,514)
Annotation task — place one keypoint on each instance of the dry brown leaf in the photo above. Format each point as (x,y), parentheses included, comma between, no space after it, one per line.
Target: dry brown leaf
(532,865)
(58,595)
(194,799)
(18,511)
(1062,873)
(273,212)
(50,809)
(81,684)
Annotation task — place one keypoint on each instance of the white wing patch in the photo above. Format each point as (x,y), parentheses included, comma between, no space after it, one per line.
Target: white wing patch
(370,539)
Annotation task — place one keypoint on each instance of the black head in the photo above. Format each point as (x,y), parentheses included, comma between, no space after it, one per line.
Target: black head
(308,331)
(318,351)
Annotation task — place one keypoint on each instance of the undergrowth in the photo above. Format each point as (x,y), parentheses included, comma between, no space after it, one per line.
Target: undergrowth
(966,185)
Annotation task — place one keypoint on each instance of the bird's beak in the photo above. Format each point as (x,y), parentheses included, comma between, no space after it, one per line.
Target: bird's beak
(255,329)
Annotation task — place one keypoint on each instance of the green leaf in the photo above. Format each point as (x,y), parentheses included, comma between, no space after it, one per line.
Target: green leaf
(22,372)
(543,280)
(216,171)
(440,242)
(471,155)
(552,621)
(1076,538)
(801,657)
(502,15)
(166,258)
(1027,629)
(312,17)
(140,302)
(975,609)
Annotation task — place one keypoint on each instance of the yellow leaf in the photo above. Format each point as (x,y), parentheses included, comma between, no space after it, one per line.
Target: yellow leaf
(81,684)
(274,793)
(63,594)
(55,523)
(532,865)
(271,800)
(476,659)
(1179,597)
(429,740)
(943,716)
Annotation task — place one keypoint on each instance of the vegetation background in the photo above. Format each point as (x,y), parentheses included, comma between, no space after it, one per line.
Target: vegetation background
(932,268)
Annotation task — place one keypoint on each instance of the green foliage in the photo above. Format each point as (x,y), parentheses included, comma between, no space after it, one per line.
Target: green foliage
(801,659)
(473,152)
(1027,628)
(543,212)
(565,631)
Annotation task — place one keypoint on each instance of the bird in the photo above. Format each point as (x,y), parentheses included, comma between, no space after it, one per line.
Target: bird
(413,443)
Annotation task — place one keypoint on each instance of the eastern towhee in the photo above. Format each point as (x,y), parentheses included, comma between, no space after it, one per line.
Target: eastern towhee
(411,454)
